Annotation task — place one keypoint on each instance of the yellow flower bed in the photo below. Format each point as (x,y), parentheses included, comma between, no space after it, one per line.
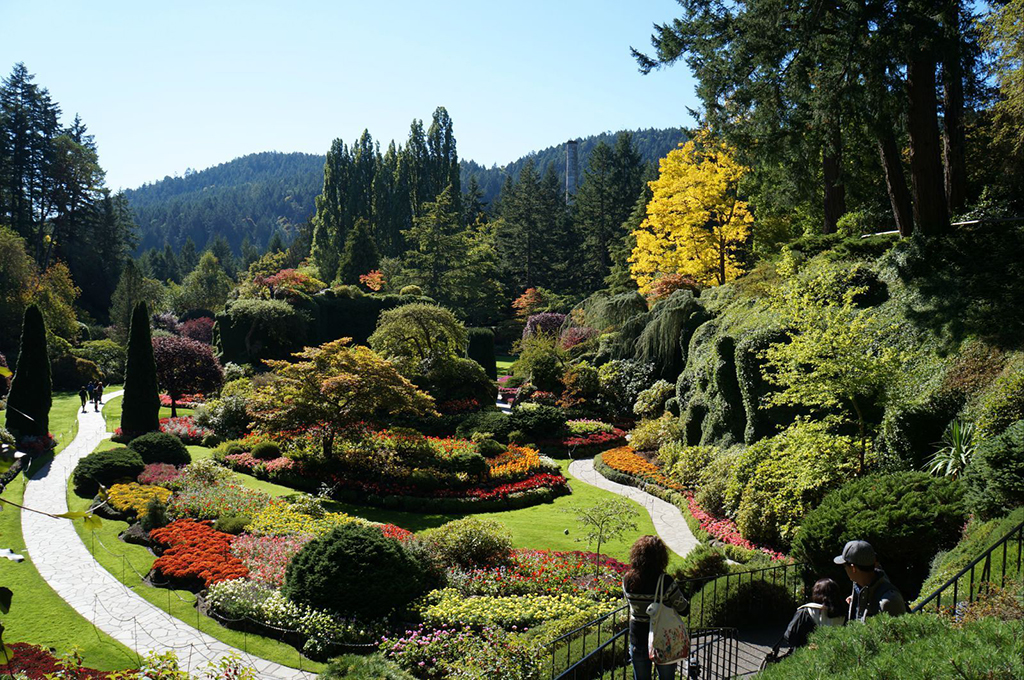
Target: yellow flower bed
(134,497)
(625,460)
(280,519)
(517,461)
(449,606)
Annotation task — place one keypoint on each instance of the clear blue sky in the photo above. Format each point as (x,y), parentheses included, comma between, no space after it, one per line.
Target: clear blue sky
(171,85)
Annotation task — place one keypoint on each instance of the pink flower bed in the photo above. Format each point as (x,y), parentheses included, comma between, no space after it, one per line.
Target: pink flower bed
(724,530)
(185,429)
(184,401)
(267,557)
(246,462)
(160,474)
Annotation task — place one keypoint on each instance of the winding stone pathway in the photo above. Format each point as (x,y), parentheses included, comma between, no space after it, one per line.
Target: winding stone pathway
(668,519)
(65,563)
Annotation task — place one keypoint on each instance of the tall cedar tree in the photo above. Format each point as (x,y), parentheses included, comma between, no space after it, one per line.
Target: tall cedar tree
(769,72)
(141,410)
(360,256)
(28,404)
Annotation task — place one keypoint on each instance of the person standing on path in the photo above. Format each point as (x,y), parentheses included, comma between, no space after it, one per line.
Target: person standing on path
(873,592)
(98,395)
(648,559)
(83,394)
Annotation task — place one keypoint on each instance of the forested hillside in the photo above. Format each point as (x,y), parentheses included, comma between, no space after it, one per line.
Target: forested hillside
(256,195)
(252,196)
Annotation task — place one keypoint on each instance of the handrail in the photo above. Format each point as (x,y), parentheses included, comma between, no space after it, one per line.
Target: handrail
(986,556)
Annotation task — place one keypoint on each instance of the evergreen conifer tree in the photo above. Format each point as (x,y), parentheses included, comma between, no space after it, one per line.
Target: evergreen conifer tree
(141,411)
(360,254)
(28,404)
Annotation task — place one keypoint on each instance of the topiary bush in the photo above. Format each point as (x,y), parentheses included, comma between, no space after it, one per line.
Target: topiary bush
(471,543)
(30,398)
(266,451)
(481,350)
(453,379)
(140,410)
(354,570)
(995,475)
(538,420)
(411,290)
(106,468)
(357,667)
(493,421)
(160,447)
(907,517)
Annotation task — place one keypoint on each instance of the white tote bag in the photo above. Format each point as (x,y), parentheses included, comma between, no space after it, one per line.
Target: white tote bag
(668,641)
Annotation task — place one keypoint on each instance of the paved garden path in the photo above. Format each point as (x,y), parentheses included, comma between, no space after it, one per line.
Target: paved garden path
(668,519)
(65,563)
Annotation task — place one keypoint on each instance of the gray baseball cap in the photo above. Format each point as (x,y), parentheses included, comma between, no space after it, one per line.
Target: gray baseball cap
(857,552)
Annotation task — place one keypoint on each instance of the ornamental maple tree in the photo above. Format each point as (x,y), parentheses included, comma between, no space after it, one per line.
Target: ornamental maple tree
(333,387)
(695,220)
(185,366)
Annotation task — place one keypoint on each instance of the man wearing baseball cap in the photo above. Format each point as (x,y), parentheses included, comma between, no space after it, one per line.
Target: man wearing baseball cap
(873,592)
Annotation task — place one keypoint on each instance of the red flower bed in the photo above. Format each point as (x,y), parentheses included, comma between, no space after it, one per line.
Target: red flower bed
(724,530)
(196,551)
(508,394)
(597,439)
(549,572)
(36,662)
(456,406)
(396,532)
(185,429)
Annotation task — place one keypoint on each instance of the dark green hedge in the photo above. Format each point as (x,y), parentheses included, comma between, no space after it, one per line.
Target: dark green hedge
(106,468)
(161,447)
(241,336)
(481,350)
(907,517)
(28,403)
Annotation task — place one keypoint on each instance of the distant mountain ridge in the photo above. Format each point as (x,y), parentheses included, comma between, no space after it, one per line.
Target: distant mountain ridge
(255,195)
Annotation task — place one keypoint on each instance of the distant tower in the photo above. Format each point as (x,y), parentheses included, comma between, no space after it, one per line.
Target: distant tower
(572,169)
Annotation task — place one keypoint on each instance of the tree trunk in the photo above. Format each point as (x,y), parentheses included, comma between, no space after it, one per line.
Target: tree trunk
(832,170)
(927,177)
(174,406)
(953,135)
(896,182)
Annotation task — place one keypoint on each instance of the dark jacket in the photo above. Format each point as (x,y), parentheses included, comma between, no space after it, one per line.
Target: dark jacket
(639,622)
(804,622)
(880,596)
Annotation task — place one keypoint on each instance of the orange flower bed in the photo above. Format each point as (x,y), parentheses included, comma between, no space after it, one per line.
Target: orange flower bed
(623,459)
(516,462)
(195,550)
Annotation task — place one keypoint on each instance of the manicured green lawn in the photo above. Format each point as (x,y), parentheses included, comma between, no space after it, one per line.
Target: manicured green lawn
(38,615)
(504,362)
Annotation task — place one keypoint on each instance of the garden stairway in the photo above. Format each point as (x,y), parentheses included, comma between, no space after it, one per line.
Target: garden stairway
(69,568)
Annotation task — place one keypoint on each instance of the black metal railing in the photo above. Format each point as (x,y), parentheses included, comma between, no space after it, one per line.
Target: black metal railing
(601,646)
(994,567)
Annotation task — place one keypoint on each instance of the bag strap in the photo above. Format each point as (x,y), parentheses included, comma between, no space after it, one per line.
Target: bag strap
(659,592)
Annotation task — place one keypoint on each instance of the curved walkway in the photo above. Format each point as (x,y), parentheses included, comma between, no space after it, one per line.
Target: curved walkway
(65,563)
(668,519)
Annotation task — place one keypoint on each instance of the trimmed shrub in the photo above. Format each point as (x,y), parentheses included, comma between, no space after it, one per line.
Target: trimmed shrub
(686,464)
(411,290)
(538,420)
(650,403)
(266,451)
(995,476)
(140,411)
(107,355)
(354,570)
(907,517)
(29,401)
(70,372)
(481,350)
(471,543)
(778,480)
(651,435)
(456,379)
(160,447)
(106,468)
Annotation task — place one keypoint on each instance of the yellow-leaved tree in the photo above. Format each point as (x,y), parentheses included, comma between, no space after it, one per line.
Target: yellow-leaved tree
(695,221)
